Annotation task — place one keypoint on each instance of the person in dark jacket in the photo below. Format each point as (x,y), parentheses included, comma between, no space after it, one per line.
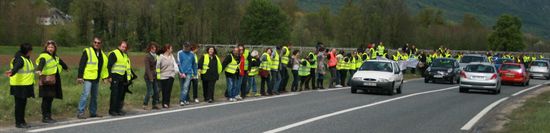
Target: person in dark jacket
(92,68)
(21,76)
(209,70)
(150,76)
(52,66)
(230,65)
(120,73)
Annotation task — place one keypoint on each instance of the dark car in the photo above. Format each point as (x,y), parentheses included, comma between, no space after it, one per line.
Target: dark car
(445,69)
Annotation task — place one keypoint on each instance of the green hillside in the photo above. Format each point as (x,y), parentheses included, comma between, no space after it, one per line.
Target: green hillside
(534,13)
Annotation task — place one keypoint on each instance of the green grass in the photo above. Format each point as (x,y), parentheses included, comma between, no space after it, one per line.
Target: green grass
(532,117)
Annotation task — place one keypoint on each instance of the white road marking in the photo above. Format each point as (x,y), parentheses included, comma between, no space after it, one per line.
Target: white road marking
(155,113)
(333,89)
(525,90)
(480,115)
(351,109)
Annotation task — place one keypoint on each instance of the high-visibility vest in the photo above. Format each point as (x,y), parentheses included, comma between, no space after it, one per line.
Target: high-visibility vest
(253,70)
(25,75)
(459,57)
(52,65)
(332,61)
(206,58)
(372,53)
(358,62)
(380,49)
(395,57)
(314,60)
(541,56)
(405,57)
(490,58)
(232,66)
(275,61)
(122,65)
(429,59)
(304,70)
(533,58)
(245,55)
(366,56)
(196,60)
(266,65)
(91,68)
(285,58)
(350,64)
(341,63)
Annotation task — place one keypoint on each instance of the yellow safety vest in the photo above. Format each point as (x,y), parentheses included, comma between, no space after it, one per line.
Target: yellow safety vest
(275,61)
(304,70)
(232,66)
(207,61)
(52,65)
(358,62)
(313,65)
(253,70)
(122,65)
(381,49)
(372,53)
(266,65)
(285,58)
(245,54)
(351,63)
(91,68)
(341,63)
(25,75)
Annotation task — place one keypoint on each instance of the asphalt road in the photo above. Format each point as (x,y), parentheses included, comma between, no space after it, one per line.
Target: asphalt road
(426,108)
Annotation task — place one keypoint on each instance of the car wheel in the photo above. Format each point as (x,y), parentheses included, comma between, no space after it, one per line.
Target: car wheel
(547,77)
(452,81)
(399,89)
(392,91)
(462,90)
(353,90)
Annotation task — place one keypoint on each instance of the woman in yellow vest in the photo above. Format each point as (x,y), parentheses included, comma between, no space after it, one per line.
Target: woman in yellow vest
(209,69)
(21,76)
(303,72)
(254,69)
(49,64)
(265,68)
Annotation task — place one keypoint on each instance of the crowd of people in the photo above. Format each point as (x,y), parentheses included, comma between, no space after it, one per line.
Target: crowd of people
(241,66)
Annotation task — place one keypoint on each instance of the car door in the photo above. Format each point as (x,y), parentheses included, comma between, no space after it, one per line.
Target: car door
(398,74)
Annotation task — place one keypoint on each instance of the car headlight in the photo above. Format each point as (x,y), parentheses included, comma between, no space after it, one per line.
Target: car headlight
(383,80)
(449,70)
(356,78)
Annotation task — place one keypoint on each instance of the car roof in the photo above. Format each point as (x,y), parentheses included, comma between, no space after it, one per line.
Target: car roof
(504,58)
(380,60)
(511,63)
(445,59)
(480,63)
(477,55)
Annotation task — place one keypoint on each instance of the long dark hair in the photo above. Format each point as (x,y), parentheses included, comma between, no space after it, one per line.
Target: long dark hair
(152,45)
(25,48)
(215,51)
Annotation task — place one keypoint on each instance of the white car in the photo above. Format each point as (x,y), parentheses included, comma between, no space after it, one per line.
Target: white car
(480,76)
(540,68)
(378,76)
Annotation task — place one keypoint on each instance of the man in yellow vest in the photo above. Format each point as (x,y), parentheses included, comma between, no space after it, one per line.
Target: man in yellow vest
(312,56)
(381,50)
(120,73)
(275,66)
(21,76)
(242,78)
(92,68)
(231,66)
(285,59)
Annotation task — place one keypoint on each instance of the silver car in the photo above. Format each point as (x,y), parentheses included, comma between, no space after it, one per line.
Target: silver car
(468,58)
(539,69)
(480,76)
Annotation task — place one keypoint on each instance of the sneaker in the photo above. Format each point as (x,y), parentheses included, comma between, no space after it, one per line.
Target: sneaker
(165,106)
(81,116)
(258,94)
(155,107)
(23,125)
(338,86)
(144,107)
(48,120)
(182,103)
(238,97)
(186,102)
(197,100)
(95,116)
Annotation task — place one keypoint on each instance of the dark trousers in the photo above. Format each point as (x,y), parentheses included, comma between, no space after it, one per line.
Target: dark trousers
(208,89)
(166,87)
(295,80)
(244,85)
(351,73)
(47,107)
(312,78)
(284,79)
(343,77)
(265,83)
(118,91)
(194,87)
(320,78)
(20,104)
(333,77)
(303,80)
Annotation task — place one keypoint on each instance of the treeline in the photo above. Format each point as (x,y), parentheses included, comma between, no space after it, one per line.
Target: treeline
(255,22)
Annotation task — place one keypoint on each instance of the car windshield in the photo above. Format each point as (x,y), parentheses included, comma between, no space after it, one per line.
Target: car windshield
(539,64)
(479,68)
(377,66)
(510,67)
(446,63)
(468,59)
(500,61)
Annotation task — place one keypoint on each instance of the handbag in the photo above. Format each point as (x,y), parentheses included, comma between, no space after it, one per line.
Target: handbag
(47,80)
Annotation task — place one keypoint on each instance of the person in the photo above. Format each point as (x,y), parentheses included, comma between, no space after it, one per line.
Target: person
(340,68)
(167,69)
(120,73)
(195,77)
(265,67)
(92,68)
(149,76)
(381,50)
(352,58)
(321,67)
(254,69)
(285,59)
(210,68)
(312,56)
(21,82)
(187,68)
(231,66)
(332,62)
(295,67)
(49,64)
(304,73)
(242,77)
(275,75)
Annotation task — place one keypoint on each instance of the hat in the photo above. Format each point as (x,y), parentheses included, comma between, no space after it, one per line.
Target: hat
(254,53)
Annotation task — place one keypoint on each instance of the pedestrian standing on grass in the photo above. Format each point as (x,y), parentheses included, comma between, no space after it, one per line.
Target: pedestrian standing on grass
(92,68)
(166,69)
(21,76)
(210,68)
(187,68)
(195,76)
(231,66)
(150,76)
(120,74)
(49,66)
(254,69)
(295,67)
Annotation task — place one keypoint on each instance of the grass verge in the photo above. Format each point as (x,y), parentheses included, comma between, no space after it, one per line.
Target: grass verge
(532,117)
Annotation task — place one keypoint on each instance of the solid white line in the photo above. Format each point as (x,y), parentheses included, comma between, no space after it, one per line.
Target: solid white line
(333,89)
(155,113)
(351,109)
(522,91)
(479,115)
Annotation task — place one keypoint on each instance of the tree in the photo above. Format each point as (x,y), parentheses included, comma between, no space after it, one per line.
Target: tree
(349,31)
(264,23)
(507,35)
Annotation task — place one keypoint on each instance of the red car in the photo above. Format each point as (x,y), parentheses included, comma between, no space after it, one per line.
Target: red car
(514,73)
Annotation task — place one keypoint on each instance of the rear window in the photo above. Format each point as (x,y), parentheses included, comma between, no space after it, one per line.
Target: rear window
(500,61)
(377,66)
(539,64)
(468,59)
(479,68)
(445,63)
(510,67)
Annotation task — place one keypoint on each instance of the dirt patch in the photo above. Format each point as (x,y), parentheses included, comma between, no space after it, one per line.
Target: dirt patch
(500,116)
(72,60)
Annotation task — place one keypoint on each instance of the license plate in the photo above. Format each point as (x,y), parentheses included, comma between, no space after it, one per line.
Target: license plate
(369,84)
(478,77)
(538,75)
(510,75)
(438,76)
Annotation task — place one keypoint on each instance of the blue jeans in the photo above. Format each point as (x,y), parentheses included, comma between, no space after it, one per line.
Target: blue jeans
(230,86)
(252,85)
(184,88)
(275,81)
(89,87)
(238,85)
(152,90)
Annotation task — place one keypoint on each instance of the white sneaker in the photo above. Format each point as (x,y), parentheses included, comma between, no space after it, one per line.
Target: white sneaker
(182,103)
(238,97)
(338,86)
(196,100)
(186,102)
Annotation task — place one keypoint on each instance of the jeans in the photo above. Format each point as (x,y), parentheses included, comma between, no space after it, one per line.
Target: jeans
(238,85)
(184,88)
(351,73)
(230,82)
(295,81)
(152,90)
(284,79)
(333,77)
(89,87)
(252,85)
(275,81)
(195,86)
